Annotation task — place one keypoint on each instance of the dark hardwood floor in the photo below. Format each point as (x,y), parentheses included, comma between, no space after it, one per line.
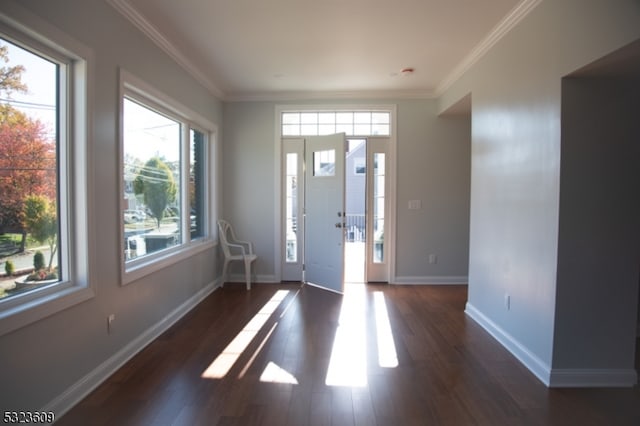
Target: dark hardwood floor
(449,371)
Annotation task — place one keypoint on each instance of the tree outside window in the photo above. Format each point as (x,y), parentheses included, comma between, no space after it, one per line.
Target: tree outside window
(28,163)
(166,171)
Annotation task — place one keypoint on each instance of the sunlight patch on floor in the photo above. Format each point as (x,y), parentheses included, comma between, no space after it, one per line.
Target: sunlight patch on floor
(348,362)
(387,355)
(276,374)
(225,361)
(257,351)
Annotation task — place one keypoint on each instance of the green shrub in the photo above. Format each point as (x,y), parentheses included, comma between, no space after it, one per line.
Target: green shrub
(38,260)
(9,268)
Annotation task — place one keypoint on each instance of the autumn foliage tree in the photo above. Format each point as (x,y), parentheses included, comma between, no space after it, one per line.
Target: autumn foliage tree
(27,164)
(41,222)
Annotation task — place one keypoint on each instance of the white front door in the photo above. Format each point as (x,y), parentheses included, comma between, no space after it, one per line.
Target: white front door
(324,211)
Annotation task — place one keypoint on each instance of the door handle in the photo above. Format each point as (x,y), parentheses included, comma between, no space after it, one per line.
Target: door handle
(338,225)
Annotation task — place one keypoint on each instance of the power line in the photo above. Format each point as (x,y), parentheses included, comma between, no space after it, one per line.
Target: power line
(26,104)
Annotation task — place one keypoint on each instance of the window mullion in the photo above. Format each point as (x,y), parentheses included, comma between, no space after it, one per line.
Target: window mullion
(185,164)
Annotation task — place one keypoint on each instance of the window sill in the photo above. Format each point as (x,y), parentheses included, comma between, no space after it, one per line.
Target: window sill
(26,312)
(172,256)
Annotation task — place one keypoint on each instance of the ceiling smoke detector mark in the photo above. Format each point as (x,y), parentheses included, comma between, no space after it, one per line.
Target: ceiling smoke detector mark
(406,72)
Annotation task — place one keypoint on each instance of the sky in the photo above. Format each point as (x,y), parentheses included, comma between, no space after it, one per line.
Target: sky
(40,77)
(146,133)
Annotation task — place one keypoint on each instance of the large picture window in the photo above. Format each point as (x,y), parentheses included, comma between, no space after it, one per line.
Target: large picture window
(43,165)
(152,174)
(165,168)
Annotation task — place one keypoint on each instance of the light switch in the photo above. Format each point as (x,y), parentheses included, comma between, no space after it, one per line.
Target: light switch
(415,204)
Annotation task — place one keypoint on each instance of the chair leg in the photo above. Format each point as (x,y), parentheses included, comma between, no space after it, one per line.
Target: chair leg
(247,272)
(224,273)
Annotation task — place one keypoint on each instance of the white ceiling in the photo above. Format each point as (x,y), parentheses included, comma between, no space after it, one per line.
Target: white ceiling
(288,49)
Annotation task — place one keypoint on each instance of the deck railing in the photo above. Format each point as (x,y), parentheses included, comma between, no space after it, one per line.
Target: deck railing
(355,226)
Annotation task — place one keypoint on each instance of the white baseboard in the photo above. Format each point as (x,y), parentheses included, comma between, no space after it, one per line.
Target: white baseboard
(79,390)
(554,378)
(538,367)
(592,378)
(432,280)
(239,278)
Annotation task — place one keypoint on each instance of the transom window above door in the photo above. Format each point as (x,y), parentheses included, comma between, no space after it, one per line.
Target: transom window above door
(352,123)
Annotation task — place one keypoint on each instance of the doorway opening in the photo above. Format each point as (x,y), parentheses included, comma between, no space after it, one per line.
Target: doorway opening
(367,173)
(355,211)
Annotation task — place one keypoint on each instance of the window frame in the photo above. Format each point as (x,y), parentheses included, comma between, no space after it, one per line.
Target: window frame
(140,91)
(351,122)
(73,163)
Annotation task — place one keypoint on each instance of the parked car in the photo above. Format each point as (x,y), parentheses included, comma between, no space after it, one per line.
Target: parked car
(133,216)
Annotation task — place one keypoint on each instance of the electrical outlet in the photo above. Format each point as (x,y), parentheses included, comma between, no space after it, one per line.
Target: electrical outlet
(110,319)
(433,259)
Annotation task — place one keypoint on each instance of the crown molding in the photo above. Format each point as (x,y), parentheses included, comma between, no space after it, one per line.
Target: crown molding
(500,30)
(129,12)
(285,96)
(514,17)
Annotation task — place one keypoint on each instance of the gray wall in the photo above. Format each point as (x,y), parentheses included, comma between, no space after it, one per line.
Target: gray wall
(433,166)
(599,241)
(43,360)
(248,180)
(516,163)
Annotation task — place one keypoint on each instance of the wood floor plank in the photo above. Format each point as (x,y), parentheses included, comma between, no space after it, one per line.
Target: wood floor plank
(449,372)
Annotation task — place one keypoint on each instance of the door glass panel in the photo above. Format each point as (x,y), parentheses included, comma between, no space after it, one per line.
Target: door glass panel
(380,118)
(362,117)
(291,210)
(290,129)
(291,118)
(378,207)
(362,129)
(344,128)
(309,118)
(326,129)
(380,129)
(324,163)
(327,118)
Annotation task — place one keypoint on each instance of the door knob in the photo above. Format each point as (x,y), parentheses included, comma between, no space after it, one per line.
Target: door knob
(338,225)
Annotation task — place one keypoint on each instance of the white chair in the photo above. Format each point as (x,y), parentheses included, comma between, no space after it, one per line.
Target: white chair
(235,249)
